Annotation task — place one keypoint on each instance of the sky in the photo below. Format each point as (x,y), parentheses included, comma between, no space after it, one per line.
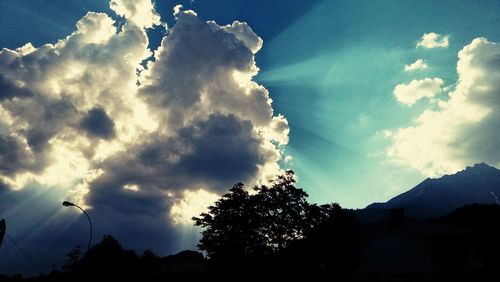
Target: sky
(146,112)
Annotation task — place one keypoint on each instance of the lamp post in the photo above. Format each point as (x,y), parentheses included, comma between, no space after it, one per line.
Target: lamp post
(69,204)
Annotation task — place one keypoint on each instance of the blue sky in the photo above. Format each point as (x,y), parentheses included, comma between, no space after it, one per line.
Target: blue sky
(331,69)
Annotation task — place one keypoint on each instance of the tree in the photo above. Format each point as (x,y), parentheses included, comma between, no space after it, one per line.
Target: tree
(241,224)
(230,226)
(72,259)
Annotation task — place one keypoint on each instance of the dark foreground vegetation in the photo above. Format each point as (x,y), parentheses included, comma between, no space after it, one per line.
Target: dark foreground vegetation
(274,232)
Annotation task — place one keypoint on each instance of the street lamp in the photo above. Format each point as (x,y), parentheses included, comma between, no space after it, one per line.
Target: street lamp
(69,204)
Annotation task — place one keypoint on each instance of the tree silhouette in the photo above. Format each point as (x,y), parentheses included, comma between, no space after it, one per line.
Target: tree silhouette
(72,259)
(231,226)
(241,224)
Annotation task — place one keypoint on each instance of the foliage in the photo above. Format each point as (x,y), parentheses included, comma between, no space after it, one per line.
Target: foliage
(108,260)
(72,258)
(242,224)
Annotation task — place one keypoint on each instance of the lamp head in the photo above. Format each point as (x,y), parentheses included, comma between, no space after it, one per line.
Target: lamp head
(67,204)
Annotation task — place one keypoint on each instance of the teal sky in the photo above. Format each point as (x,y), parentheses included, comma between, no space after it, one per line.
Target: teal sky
(332,73)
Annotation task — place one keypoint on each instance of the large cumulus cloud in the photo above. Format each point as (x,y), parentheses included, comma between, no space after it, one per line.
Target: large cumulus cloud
(463,129)
(216,126)
(136,144)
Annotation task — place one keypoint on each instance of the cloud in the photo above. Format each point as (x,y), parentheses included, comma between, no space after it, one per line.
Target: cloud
(463,130)
(213,131)
(137,145)
(97,123)
(419,64)
(244,33)
(95,28)
(65,81)
(433,40)
(177,10)
(14,157)
(193,203)
(410,93)
(140,12)
(10,89)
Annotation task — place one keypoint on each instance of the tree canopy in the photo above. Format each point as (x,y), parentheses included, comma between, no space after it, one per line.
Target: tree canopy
(244,224)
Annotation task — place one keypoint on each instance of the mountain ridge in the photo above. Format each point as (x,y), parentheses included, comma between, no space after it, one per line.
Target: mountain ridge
(435,197)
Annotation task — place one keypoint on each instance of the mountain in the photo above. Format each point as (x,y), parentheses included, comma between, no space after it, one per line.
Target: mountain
(437,197)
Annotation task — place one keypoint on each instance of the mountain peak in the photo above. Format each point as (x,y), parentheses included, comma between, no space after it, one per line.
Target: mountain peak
(481,166)
(480,169)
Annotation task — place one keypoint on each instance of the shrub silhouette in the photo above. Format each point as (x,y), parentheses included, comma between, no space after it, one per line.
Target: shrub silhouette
(106,260)
(109,261)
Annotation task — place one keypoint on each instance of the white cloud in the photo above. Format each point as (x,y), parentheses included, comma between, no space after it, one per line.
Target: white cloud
(95,28)
(433,40)
(464,129)
(244,33)
(140,12)
(177,10)
(417,89)
(193,203)
(419,64)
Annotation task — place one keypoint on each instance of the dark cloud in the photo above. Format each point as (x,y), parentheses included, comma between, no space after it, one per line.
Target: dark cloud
(213,154)
(8,90)
(43,118)
(97,123)
(223,150)
(13,156)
